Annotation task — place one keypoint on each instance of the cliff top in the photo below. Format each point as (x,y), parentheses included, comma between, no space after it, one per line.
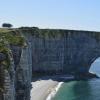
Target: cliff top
(9,37)
(56,33)
(13,36)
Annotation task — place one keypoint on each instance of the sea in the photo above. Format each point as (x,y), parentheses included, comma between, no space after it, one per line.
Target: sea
(81,90)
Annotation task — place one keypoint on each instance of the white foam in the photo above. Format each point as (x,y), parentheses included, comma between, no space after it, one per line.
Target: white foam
(52,94)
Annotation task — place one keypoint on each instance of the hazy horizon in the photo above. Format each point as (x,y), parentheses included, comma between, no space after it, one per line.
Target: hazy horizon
(56,14)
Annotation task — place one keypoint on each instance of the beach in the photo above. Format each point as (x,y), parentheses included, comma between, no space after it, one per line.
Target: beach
(42,88)
(45,88)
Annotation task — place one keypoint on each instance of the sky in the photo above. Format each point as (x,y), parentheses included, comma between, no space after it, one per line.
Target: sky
(63,14)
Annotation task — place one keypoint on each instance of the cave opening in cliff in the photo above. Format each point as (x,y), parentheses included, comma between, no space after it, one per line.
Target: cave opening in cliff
(95,67)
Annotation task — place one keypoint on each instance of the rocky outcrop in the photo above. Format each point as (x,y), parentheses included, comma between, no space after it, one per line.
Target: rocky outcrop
(7,78)
(23,71)
(15,71)
(2,58)
(23,76)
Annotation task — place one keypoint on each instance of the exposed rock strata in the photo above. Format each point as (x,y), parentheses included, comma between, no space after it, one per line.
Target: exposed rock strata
(74,52)
(46,51)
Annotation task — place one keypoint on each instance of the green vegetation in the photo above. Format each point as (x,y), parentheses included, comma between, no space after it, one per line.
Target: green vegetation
(9,37)
(52,33)
(12,36)
(7,25)
(43,33)
(5,63)
(56,33)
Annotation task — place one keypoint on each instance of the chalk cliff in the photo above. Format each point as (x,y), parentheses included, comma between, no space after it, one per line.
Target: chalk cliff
(63,51)
(47,51)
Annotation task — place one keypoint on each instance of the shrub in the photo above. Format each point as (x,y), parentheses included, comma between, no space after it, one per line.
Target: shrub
(7,25)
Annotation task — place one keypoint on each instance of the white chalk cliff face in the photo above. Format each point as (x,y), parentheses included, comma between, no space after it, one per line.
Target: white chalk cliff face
(23,72)
(72,53)
(66,52)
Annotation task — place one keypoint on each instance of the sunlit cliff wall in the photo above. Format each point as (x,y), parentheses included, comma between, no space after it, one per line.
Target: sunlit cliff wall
(63,51)
(50,51)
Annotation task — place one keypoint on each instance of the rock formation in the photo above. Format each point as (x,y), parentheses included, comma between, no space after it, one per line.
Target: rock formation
(47,51)
(63,51)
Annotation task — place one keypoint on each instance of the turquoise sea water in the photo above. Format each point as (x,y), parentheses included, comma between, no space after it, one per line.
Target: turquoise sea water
(81,90)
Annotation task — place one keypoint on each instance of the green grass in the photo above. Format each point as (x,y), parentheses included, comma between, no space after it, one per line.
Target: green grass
(12,36)
(9,37)
(44,33)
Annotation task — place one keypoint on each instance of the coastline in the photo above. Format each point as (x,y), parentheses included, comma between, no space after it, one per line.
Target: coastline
(55,90)
(46,87)
(42,88)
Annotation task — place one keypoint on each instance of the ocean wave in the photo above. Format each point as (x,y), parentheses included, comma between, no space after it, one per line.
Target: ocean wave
(52,94)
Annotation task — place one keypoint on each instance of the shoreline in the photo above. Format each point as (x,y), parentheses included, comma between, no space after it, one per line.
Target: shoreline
(46,87)
(42,88)
(55,90)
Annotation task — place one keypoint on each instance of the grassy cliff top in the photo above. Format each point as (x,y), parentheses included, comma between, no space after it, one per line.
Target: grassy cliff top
(9,37)
(57,33)
(13,36)
(29,29)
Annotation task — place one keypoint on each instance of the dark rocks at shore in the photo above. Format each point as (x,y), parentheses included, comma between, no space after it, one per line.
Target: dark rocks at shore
(92,75)
(85,76)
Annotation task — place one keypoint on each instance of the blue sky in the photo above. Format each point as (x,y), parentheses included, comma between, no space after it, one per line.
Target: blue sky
(63,14)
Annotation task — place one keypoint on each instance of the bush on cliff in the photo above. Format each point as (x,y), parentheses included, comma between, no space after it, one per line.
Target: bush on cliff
(7,25)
